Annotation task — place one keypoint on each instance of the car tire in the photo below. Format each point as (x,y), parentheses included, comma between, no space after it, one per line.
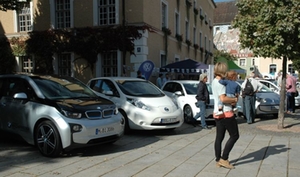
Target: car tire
(127,128)
(187,114)
(47,139)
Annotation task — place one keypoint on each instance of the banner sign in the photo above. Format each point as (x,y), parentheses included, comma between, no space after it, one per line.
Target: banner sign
(146,68)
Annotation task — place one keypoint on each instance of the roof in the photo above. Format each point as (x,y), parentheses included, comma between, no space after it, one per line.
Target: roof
(225,12)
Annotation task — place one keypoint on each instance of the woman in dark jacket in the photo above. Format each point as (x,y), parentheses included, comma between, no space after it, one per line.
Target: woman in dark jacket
(202,100)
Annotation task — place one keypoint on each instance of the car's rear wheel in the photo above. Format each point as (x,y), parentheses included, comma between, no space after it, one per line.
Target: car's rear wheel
(187,114)
(47,139)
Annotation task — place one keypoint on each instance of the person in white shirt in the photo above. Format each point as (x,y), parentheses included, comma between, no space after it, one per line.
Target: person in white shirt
(250,99)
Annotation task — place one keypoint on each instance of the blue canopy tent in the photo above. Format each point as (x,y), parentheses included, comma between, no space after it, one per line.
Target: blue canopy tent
(185,66)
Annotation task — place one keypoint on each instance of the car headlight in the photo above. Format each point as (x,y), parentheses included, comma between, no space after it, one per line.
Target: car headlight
(138,104)
(74,115)
(262,100)
(116,111)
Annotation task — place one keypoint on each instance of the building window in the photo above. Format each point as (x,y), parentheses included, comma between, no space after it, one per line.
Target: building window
(209,45)
(205,41)
(200,11)
(164,15)
(291,69)
(62,14)
(195,36)
(27,64)
(200,39)
(24,19)
(272,69)
(177,58)
(107,12)
(177,23)
(110,64)
(163,60)
(242,62)
(186,30)
(64,64)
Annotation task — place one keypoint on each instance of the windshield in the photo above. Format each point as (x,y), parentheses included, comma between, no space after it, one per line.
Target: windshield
(139,88)
(191,88)
(264,89)
(62,88)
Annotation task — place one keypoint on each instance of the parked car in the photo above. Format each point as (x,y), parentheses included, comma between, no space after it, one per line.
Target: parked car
(267,102)
(144,106)
(276,89)
(57,113)
(186,91)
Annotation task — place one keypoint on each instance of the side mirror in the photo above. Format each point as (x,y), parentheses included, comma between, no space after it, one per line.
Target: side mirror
(178,93)
(21,96)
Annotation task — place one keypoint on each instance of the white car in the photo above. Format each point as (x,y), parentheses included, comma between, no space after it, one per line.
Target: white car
(276,89)
(186,91)
(144,106)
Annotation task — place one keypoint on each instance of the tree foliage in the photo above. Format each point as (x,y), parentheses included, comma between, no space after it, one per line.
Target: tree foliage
(7,58)
(270,28)
(85,42)
(12,4)
(222,54)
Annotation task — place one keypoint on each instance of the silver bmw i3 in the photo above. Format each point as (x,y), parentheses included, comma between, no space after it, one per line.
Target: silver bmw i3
(56,113)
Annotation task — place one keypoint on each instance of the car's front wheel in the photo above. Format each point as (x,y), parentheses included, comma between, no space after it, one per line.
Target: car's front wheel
(188,114)
(47,139)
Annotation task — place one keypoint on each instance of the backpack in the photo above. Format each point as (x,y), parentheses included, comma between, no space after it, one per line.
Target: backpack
(248,90)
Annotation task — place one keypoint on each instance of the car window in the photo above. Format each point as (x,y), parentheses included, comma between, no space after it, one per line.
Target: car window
(191,88)
(62,88)
(169,87)
(109,86)
(139,88)
(209,89)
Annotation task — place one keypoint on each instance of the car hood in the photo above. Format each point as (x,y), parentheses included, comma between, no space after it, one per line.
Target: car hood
(268,97)
(84,104)
(157,101)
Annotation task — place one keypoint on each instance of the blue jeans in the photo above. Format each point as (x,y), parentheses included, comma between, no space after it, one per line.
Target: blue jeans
(290,98)
(202,113)
(249,108)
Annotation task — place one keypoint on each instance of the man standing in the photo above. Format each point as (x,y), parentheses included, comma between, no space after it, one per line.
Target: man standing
(278,79)
(290,93)
(159,81)
(202,100)
(139,74)
(249,99)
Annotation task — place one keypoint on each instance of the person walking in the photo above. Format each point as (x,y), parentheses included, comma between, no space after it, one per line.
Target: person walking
(290,93)
(226,121)
(202,100)
(249,90)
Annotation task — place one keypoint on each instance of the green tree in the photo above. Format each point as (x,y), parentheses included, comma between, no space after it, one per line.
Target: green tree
(7,59)
(12,4)
(270,28)
(222,54)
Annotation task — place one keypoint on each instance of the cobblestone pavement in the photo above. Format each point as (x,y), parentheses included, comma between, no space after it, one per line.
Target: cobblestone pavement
(261,151)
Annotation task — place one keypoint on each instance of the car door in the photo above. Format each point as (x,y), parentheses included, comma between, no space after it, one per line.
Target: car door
(17,110)
(3,111)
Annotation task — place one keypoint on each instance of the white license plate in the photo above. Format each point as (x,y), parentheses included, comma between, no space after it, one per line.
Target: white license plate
(168,120)
(104,130)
